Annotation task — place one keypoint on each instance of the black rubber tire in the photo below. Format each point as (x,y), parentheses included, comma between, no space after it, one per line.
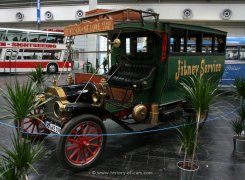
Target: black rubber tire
(67,129)
(52,68)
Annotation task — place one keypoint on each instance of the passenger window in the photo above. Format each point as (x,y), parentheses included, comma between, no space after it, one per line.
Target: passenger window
(178,40)
(194,41)
(191,44)
(242,53)
(139,47)
(207,43)
(221,44)
(141,44)
(128,51)
(231,53)
(15,39)
(2,35)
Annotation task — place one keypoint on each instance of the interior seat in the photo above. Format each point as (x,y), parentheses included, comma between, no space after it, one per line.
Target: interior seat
(131,76)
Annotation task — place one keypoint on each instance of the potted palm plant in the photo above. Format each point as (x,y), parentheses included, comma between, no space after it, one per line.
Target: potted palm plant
(187,139)
(17,161)
(199,91)
(239,84)
(238,125)
(23,106)
(38,78)
(20,101)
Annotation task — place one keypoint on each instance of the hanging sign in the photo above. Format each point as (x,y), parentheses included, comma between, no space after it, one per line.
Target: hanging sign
(89,27)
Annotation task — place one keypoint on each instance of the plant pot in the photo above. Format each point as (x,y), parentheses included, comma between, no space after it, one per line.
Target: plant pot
(187,173)
(239,144)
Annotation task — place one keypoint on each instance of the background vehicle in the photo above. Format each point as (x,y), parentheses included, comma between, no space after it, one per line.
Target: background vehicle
(140,90)
(23,50)
(234,60)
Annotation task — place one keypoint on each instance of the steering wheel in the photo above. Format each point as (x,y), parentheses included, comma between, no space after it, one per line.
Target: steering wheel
(123,59)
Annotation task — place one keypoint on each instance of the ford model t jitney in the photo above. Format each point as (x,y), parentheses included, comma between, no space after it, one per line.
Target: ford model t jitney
(139,91)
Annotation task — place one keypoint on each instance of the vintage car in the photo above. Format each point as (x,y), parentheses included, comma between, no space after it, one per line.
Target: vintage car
(147,57)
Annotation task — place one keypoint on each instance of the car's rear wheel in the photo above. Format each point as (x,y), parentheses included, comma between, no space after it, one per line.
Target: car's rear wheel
(84,143)
(32,127)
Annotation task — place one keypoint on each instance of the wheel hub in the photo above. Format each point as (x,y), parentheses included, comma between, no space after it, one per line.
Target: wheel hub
(83,142)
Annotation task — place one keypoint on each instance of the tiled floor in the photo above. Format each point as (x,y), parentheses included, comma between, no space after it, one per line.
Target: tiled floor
(154,155)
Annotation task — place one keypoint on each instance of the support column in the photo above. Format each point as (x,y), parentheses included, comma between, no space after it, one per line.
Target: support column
(93,4)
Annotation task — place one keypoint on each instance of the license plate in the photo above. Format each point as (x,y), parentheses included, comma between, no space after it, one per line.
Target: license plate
(53,127)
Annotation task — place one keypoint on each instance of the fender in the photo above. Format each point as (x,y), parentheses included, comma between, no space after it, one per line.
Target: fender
(79,108)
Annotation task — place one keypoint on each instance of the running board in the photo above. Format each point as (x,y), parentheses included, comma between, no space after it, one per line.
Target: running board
(137,127)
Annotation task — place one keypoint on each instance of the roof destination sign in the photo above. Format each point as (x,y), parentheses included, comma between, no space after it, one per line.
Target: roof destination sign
(89,27)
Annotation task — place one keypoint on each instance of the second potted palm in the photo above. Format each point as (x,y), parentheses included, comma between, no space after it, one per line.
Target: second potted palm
(199,92)
(186,136)
(238,125)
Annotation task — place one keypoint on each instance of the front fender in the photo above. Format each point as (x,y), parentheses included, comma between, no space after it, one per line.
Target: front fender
(78,108)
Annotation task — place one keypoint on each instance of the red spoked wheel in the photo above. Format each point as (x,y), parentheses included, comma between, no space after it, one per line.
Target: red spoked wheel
(84,144)
(33,127)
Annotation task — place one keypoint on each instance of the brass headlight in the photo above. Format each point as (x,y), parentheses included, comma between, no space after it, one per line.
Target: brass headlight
(59,108)
(99,96)
(95,97)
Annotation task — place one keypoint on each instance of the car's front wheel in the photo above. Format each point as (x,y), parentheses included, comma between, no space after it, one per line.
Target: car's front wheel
(82,143)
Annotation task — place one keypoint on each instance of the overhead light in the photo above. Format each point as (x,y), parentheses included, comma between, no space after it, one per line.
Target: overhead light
(79,14)
(187,14)
(48,16)
(226,14)
(19,16)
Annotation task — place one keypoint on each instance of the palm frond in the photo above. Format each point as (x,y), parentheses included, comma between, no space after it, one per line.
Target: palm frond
(241,113)
(238,126)
(187,137)
(19,99)
(7,171)
(22,156)
(199,92)
(37,76)
(239,84)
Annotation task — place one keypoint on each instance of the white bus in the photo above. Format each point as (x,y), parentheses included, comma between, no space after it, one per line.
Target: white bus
(23,50)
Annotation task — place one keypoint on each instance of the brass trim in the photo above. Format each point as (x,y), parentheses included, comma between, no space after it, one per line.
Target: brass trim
(57,91)
(154,113)
(139,113)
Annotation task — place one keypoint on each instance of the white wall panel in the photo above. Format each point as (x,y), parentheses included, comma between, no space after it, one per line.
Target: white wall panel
(201,12)
(206,14)
(64,13)
(232,31)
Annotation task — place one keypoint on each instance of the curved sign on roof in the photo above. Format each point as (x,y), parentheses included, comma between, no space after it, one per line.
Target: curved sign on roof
(89,27)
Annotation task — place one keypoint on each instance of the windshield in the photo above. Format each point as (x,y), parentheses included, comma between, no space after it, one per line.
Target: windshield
(136,45)
(90,53)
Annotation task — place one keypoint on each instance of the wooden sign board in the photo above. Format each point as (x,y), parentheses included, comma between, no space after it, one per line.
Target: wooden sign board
(89,27)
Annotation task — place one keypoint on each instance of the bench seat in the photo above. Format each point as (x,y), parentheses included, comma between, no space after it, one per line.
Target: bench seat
(131,76)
